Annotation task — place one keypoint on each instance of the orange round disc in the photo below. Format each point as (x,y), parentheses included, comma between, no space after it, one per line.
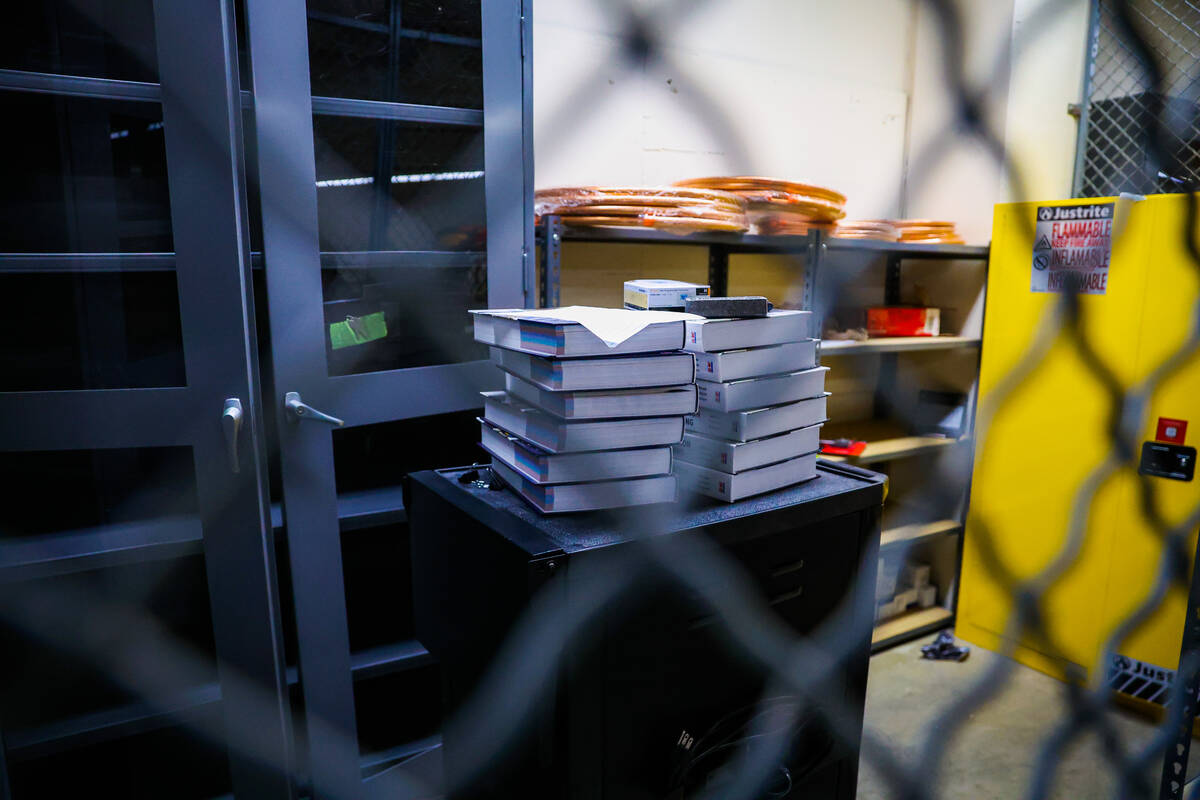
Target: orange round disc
(752,183)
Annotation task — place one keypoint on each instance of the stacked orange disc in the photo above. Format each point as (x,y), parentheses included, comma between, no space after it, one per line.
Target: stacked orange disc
(770,223)
(927,231)
(880,230)
(673,209)
(778,207)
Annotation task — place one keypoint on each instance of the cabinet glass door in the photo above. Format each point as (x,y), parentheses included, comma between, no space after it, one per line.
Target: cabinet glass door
(131,440)
(395,187)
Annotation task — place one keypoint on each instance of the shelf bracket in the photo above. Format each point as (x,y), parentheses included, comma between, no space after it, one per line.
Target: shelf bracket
(814,251)
(885,388)
(551,261)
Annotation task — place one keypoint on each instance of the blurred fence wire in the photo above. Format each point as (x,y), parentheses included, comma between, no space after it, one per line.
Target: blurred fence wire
(1141,135)
(1144,55)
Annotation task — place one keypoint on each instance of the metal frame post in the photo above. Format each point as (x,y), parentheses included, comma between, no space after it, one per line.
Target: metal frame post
(891,282)
(718,270)
(1175,758)
(530,279)
(543,258)
(551,261)
(814,252)
(1091,49)
(889,363)
(506,133)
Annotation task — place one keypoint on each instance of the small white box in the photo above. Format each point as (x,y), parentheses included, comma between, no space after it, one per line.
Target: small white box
(887,610)
(885,581)
(928,597)
(916,576)
(659,294)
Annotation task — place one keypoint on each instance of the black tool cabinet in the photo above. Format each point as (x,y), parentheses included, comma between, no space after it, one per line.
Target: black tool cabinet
(642,658)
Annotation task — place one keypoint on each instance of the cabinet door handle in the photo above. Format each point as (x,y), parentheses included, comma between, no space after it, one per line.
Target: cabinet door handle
(298,410)
(231,423)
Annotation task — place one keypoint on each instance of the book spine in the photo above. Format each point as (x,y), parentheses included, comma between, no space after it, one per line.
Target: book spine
(534,465)
(549,437)
(546,373)
(709,425)
(706,453)
(548,339)
(705,481)
(708,366)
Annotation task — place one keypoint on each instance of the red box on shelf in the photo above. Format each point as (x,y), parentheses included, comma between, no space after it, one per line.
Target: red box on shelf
(903,321)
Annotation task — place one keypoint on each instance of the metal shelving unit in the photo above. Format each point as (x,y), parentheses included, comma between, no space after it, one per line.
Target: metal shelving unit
(896,344)
(917,532)
(813,248)
(886,443)
(909,626)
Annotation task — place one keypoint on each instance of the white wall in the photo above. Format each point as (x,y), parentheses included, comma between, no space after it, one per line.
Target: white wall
(1030,65)
(1046,76)
(815,90)
(951,175)
(847,94)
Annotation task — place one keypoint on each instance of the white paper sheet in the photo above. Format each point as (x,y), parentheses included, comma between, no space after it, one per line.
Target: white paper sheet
(611,325)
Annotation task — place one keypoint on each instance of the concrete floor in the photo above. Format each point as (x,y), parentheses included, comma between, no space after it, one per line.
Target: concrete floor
(993,756)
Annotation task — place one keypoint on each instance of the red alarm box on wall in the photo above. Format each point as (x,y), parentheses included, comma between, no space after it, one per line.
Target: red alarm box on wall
(903,321)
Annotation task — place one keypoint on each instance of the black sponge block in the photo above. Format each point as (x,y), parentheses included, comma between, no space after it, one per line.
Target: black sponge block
(721,307)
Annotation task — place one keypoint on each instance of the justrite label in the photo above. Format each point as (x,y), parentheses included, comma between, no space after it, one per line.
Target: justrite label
(1072,248)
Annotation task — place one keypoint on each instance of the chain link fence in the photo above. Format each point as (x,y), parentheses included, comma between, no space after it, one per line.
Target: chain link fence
(1124,104)
(1139,138)
(1139,126)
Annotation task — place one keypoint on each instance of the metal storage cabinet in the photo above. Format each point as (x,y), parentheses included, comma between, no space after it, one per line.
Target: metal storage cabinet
(206,192)
(643,658)
(1044,443)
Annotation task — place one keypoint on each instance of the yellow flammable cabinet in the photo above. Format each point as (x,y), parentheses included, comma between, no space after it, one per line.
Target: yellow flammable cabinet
(1043,434)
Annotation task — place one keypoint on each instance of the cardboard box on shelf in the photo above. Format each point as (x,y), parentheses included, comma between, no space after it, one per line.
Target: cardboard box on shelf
(907,598)
(903,321)
(887,610)
(916,576)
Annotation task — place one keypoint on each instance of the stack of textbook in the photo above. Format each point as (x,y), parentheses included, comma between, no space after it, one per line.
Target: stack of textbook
(593,400)
(762,402)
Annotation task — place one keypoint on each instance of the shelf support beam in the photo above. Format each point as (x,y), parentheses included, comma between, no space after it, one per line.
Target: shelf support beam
(718,270)
(891,282)
(551,261)
(813,253)
(1175,757)
(885,387)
